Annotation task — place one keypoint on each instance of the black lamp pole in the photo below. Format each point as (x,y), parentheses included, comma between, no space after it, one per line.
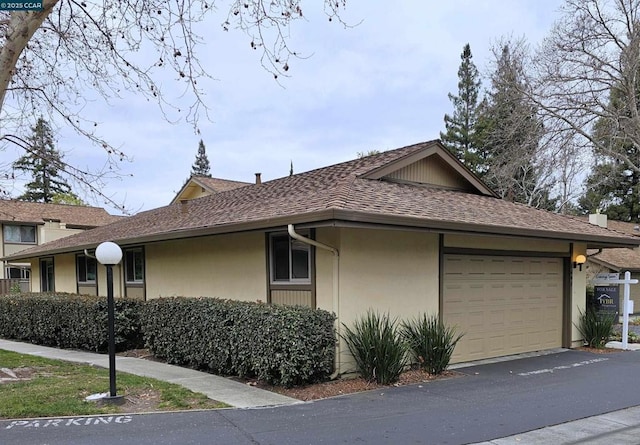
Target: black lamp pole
(112,333)
(109,254)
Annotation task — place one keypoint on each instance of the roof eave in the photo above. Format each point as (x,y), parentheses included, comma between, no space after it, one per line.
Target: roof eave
(338,217)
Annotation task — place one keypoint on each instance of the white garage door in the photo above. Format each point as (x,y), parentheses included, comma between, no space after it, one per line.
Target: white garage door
(504,305)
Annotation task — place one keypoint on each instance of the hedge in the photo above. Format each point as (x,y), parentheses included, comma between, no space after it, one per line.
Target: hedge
(281,345)
(69,321)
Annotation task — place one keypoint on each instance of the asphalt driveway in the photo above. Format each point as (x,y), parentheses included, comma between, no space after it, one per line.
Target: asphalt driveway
(484,403)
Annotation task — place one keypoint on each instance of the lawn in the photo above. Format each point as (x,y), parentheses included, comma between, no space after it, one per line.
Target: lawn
(54,388)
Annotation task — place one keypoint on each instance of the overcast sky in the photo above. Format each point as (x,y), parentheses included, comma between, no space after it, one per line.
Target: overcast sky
(380,85)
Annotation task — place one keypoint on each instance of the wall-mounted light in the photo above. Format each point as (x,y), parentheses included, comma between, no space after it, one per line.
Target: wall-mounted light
(579,261)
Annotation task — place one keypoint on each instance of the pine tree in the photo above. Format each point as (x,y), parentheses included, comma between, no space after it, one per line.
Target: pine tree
(460,128)
(509,134)
(201,165)
(613,187)
(44,163)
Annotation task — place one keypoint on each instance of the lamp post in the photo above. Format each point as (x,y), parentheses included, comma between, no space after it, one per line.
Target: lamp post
(109,254)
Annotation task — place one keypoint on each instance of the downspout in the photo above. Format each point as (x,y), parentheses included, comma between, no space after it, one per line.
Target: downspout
(336,288)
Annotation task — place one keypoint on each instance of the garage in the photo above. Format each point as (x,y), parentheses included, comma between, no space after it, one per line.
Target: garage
(504,305)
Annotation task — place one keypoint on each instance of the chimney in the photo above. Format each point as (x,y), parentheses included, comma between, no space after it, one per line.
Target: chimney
(598,219)
(258,180)
(184,204)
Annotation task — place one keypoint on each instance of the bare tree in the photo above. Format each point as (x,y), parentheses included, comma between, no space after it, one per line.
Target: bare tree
(592,52)
(50,58)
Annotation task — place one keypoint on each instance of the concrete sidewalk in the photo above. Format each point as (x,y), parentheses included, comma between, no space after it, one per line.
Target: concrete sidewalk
(215,387)
(619,428)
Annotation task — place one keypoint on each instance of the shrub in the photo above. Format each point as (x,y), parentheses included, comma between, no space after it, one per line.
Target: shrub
(377,347)
(281,345)
(69,321)
(632,337)
(430,342)
(596,328)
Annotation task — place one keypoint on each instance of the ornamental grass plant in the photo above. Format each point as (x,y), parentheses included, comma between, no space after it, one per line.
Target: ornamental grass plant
(596,327)
(377,347)
(431,342)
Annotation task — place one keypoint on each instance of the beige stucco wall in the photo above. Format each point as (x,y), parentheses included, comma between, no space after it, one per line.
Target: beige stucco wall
(64,271)
(230,266)
(53,231)
(118,289)
(578,294)
(325,266)
(34,282)
(49,231)
(388,271)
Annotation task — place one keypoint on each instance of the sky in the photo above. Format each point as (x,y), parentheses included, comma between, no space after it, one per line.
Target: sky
(378,85)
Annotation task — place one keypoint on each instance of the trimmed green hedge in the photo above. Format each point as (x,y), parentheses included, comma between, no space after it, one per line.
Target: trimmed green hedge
(69,321)
(282,345)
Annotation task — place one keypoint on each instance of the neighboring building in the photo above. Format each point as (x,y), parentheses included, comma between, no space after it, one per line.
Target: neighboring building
(406,231)
(617,260)
(199,186)
(26,224)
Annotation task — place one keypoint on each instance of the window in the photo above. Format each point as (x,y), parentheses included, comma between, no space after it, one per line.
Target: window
(21,273)
(47,280)
(19,234)
(86,269)
(290,260)
(134,265)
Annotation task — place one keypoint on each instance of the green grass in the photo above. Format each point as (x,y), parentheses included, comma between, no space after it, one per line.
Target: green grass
(59,388)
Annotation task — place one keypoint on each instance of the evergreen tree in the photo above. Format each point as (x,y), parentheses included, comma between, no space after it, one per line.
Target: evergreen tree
(459,137)
(509,134)
(201,165)
(613,187)
(44,163)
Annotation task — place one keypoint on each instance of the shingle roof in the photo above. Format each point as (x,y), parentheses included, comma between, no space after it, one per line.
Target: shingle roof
(620,258)
(37,212)
(339,193)
(219,185)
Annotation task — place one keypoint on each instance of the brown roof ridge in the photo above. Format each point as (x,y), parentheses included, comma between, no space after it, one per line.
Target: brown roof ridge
(33,203)
(584,220)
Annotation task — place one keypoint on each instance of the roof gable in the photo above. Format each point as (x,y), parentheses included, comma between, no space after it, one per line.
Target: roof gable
(199,186)
(350,193)
(433,165)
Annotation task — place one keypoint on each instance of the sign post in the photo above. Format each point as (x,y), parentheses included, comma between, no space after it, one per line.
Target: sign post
(607,279)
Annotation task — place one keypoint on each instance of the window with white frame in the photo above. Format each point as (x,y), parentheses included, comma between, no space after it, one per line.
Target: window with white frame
(290,260)
(18,272)
(134,265)
(86,269)
(19,234)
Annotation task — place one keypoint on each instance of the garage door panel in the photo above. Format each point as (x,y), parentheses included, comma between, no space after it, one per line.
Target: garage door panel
(505,305)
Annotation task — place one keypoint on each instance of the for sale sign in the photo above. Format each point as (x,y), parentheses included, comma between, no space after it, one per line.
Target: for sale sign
(607,299)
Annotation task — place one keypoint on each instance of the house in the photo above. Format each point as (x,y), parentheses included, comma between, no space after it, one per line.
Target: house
(199,186)
(406,231)
(25,224)
(618,260)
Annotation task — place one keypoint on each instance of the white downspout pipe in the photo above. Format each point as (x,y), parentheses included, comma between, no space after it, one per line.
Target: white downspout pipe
(336,287)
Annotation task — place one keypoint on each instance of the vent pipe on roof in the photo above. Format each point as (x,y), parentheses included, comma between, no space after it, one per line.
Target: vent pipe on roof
(258,180)
(598,219)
